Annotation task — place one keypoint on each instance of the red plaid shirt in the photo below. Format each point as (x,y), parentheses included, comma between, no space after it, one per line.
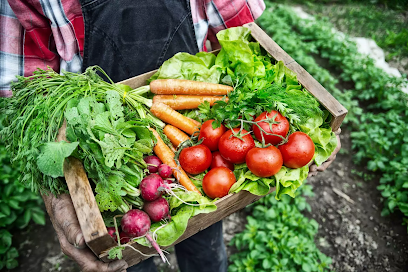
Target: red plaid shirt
(41,33)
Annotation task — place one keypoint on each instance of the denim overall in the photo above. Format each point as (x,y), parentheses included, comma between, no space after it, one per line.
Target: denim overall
(130,37)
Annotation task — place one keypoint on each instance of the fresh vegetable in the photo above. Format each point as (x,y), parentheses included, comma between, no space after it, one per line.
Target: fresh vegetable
(218,161)
(298,151)
(264,162)
(164,171)
(167,157)
(187,87)
(153,163)
(112,233)
(211,136)
(186,102)
(175,135)
(195,159)
(157,209)
(271,127)
(172,117)
(218,181)
(124,237)
(136,223)
(235,144)
(36,111)
(150,187)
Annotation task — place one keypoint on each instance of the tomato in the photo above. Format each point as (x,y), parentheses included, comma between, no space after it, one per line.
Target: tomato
(218,181)
(195,159)
(211,136)
(298,151)
(234,149)
(218,161)
(264,162)
(281,128)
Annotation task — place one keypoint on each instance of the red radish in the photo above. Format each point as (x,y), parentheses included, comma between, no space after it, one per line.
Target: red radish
(149,187)
(153,163)
(157,209)
(165,171)
(112,233)
(137,223)
(124,237)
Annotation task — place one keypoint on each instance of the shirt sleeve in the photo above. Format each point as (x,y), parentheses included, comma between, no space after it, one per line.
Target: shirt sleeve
(223,14)
(39,34)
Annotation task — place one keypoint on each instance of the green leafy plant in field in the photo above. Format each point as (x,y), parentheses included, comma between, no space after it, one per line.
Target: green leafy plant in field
(380,131)
(387,27)
(18,207)
(278,237)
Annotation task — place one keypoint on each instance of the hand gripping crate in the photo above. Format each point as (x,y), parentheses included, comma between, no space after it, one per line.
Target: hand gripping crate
(89,216)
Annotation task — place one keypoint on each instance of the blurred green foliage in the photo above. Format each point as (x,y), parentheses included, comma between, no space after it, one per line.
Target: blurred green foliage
(18,207)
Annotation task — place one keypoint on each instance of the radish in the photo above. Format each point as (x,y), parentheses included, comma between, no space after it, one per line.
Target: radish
(112,233)
(157,209)
(124,237)
(137,223)
(164,171)
(149,187)
(153,163)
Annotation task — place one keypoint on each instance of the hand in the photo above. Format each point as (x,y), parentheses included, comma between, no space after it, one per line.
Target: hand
(314,169)
(66,225)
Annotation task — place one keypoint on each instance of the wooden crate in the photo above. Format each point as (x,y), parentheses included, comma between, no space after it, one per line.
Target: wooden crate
(90,219)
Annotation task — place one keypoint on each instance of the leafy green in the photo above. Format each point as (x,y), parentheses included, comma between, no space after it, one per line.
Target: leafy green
(111,148)
(52,156)
(278,237)
(286,181)
(116,252)
(199,67)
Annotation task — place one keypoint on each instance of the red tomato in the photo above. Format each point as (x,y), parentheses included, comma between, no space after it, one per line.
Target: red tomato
(218,161)
(264,162)
(298,151)
(211,136)
(195,159)
(234,149)
(282,128)
(218,181)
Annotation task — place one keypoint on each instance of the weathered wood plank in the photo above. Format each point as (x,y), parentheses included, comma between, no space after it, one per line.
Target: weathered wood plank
(90,219)
(309,83)
(225,206)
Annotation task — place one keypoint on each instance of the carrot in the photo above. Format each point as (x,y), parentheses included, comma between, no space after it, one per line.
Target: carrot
(175,135)
(191,87)
(186,102)
(167,157)
(172,117)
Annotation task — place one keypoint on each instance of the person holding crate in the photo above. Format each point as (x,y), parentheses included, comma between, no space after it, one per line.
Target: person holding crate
(126,38)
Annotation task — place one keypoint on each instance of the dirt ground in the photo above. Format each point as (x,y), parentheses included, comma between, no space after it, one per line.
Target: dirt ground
(347,207)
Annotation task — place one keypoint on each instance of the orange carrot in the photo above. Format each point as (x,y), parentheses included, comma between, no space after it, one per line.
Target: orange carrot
(198,124)
(175,135)
(191,87)
(186,102)
(167,157)
(172,117)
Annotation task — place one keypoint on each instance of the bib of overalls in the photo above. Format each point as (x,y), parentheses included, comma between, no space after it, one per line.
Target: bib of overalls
(130,37)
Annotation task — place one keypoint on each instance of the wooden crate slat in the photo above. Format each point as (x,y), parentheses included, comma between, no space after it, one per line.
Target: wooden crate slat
(90,219)
(309,83)
(225,206)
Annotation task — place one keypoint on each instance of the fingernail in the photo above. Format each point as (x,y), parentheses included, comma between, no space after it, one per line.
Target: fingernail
(79,241)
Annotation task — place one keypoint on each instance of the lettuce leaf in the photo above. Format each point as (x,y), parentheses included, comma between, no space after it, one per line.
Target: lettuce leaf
(199,67)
